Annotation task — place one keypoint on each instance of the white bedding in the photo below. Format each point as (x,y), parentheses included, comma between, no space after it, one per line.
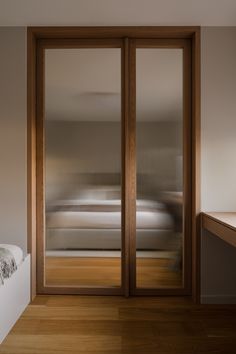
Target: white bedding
(16,251)
(107,220)
(139,202)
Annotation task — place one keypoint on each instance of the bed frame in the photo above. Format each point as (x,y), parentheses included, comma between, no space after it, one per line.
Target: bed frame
(14,297)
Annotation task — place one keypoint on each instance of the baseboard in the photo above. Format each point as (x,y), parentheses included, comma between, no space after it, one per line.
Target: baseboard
(218,299)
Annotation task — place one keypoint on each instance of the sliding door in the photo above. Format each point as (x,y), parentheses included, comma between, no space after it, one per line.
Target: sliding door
(161,241)
(80,125)
(114,166)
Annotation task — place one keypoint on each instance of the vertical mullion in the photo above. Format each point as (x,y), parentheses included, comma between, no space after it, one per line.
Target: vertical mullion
(132,165)
(195,157)
(187,244)
(40,209)
(125,167)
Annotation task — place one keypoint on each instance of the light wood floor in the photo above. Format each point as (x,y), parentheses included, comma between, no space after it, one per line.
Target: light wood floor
(94,271)
(115,325)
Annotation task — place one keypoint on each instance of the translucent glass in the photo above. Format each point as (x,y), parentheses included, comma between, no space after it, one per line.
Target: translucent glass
(159,206)
(83,167)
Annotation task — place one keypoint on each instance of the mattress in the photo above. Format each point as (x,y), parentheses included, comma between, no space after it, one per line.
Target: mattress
(16,251)
(108,202)
(107,220)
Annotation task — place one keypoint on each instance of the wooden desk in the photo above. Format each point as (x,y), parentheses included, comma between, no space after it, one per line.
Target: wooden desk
(222,225)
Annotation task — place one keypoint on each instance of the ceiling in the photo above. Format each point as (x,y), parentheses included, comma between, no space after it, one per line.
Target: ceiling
(117,12)
(85,84)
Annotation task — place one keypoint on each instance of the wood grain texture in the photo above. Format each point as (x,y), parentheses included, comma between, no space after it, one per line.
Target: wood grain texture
(80,43)
(187,168)
(125,167)
(89,325)
(82,271)
(40,168)
(226,218)
(196,172)
(99,272)
(115,32)
(222,225)
(31,157)
(132,165)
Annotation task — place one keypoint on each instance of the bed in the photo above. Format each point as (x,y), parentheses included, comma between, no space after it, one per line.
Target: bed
(14,288)
(96,224)
(11,256)
(16,251)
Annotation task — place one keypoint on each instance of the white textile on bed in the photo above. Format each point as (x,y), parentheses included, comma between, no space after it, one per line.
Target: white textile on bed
(15,250)
(107,220)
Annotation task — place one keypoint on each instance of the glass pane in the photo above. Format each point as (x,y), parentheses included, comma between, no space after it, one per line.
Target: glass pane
(83,167)
(159,215)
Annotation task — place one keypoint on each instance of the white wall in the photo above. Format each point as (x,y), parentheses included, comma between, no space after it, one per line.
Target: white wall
(117,13)
(218,167)
(13,136)
(218,48)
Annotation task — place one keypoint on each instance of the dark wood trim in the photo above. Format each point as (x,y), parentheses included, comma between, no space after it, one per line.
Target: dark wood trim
(40,143)
(160,292)
(69,43)
(132,166)
(31,156)
(187,168)
(62,290)
(196,156)
(222,225)
(125,169)
(161,43)
(115,32)
(70,33)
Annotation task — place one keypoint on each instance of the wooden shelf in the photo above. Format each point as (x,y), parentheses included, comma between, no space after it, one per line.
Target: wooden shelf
(222,225)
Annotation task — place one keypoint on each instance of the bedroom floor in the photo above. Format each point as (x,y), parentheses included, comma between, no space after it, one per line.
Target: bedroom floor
(151,272)
(115,325)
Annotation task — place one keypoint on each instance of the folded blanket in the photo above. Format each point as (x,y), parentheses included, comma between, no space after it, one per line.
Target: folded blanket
(7,264)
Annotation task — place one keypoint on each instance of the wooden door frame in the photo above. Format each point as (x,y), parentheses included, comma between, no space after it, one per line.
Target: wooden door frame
(35,34)
(185,46)
(42,45)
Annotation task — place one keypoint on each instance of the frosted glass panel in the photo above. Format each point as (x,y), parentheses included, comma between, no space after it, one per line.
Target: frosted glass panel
(83,167)
(159,215)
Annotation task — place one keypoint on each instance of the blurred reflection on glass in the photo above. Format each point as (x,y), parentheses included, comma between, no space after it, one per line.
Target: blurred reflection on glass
(83,164)
(159,80)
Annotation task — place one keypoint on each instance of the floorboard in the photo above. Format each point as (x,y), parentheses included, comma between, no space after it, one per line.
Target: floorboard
(116,325)
(103,272)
